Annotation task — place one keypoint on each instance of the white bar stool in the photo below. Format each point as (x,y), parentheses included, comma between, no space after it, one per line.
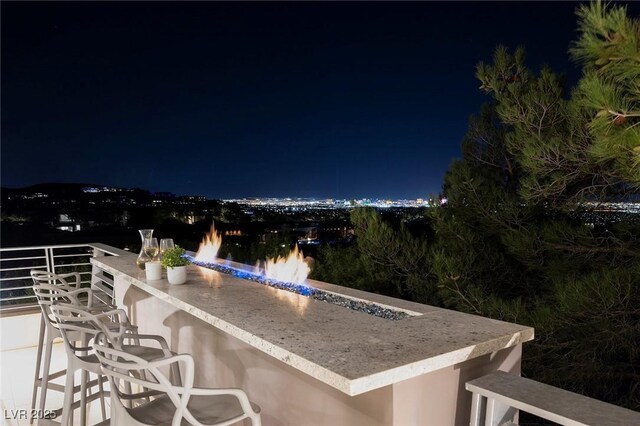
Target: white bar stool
(174,405)
(71,320)
(50,288)
(56,288)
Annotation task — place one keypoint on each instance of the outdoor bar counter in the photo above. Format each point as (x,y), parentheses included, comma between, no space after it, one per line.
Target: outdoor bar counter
(309,362)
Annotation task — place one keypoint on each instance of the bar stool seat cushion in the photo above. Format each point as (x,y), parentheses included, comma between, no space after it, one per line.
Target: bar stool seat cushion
(144,352)
(206,409)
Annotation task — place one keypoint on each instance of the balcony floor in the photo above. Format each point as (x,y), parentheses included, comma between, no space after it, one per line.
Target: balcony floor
(17,368)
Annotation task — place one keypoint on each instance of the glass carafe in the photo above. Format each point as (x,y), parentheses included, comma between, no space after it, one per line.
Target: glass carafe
(142,257)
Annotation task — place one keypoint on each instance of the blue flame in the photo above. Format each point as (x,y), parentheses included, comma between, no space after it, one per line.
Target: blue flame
(301,289)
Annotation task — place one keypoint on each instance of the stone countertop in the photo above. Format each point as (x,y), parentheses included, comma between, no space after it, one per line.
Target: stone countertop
(351,351)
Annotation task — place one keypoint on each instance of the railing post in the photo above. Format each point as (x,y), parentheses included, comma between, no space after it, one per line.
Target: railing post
(48,257)
(499,414)
(478,403)
(51,265)
(94,269)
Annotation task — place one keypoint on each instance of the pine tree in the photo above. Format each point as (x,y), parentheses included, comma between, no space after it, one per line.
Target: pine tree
(609,92)
(512,242)
(386,258)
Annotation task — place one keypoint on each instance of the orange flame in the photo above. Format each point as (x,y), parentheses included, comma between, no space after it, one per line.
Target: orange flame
(293,268)
(212,277)
(297,301)
(209,247)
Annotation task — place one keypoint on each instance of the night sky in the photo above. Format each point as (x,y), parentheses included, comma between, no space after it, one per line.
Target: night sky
(229,100)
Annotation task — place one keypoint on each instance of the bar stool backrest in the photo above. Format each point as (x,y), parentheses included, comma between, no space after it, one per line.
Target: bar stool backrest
(61,281)
(48,294)
(128,371)
(53,278)
(74,318)
(73,321)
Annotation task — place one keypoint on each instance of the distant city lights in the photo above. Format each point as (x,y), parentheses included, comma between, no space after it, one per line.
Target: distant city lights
(295,204)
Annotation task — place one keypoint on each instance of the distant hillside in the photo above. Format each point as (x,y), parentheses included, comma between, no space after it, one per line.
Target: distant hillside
(55,187)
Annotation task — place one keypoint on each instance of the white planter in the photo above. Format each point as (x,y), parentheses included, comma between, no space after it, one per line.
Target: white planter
(177,275)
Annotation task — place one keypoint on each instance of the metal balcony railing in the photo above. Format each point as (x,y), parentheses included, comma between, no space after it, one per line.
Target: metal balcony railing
(17,262)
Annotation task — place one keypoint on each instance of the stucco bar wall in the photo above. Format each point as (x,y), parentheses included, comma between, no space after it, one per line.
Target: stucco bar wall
(427,390)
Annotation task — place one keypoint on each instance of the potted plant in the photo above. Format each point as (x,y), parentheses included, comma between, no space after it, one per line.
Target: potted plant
(173,259)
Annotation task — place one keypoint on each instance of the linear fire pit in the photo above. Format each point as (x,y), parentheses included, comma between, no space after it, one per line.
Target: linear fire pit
(311,292)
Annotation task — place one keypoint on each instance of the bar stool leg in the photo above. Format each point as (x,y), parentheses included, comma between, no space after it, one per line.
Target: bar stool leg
(67,414)
(128,390)
(83,397)
(103,408)
(45,372)
(38,365)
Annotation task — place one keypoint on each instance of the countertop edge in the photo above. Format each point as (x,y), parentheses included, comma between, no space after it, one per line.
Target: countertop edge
(418,368)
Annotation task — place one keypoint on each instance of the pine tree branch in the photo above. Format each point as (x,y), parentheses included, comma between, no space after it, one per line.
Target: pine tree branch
(622,114)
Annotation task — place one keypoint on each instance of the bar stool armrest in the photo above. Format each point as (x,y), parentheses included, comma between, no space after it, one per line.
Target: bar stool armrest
(163,343)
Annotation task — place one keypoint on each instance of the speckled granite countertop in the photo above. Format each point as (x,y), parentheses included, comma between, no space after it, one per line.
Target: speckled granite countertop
(351,351)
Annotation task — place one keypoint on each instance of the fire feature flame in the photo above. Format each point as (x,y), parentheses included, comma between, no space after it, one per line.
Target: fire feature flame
(213,277)
(293,268)
(297,301)
(209,247)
